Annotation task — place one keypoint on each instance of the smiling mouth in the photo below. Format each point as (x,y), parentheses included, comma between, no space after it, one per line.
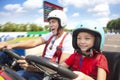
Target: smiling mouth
(83,47)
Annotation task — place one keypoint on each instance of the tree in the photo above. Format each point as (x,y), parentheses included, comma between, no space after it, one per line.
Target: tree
(46,27)
(8,27)
(114,25)
(33,27)
(22,27)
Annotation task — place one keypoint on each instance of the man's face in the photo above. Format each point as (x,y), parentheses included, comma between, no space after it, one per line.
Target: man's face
(53,23)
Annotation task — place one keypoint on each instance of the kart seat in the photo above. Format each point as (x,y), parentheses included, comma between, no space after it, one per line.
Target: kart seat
(114,65)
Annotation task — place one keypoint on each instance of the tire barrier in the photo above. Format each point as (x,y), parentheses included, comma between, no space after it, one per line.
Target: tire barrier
(6,38)
(9,37)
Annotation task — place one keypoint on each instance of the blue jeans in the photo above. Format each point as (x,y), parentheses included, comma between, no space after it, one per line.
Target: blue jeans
(5,59)
(28,75)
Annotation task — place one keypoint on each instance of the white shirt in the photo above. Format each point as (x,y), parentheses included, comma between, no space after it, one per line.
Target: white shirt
(66,46)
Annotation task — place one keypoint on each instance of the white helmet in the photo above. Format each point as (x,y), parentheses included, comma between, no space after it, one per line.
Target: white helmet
(59,14)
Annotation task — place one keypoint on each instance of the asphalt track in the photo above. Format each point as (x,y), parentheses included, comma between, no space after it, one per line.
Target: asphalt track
(112,43)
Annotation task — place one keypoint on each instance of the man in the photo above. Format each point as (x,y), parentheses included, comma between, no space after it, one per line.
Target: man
(53,40)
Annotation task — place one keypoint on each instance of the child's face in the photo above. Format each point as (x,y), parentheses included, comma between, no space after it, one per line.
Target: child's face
(85,41)
(54,25)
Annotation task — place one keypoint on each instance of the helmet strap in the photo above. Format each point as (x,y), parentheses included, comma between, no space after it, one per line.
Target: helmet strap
(85,54)
(59,28)
(59,32)
(90,53)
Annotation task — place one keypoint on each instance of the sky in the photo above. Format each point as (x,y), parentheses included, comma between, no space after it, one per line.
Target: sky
(95,12)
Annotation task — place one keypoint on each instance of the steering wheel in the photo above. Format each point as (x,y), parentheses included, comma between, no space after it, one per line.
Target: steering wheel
(38,60)
(11,53)
(54,66)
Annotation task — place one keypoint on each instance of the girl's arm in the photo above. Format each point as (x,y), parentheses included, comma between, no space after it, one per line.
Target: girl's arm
(101,75)
(64,64)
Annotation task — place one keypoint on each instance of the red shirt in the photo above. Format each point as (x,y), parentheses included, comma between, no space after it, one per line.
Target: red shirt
(87,65)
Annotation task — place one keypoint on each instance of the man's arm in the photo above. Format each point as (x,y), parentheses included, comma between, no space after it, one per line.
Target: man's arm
(27,44)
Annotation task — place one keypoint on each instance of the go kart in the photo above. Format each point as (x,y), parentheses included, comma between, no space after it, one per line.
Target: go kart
(54,71)
(6,72)
(9,74)
(64,73)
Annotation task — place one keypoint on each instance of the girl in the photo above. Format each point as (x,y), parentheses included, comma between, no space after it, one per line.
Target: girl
(88,61)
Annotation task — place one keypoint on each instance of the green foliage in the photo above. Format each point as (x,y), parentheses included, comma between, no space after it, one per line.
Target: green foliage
(13,27)
(114,25)
(46,27)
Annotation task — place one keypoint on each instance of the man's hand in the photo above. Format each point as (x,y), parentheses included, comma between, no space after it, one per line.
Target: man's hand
(23,63)
(26,66)
(3,45)
(6,45)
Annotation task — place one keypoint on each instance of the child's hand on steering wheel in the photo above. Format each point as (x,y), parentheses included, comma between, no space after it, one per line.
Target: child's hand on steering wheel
(80,75)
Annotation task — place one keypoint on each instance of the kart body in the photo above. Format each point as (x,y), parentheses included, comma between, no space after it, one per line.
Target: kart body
(113,63)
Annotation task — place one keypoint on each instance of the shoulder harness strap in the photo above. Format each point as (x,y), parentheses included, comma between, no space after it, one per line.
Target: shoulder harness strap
(59,50)
(47,45)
